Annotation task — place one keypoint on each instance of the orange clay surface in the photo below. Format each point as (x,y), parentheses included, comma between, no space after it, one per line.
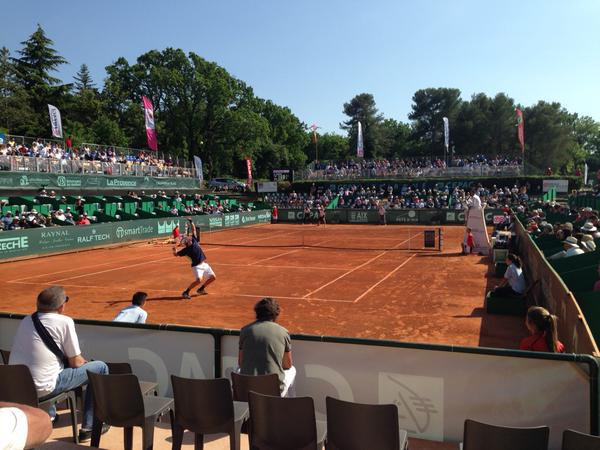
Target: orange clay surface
(407,295)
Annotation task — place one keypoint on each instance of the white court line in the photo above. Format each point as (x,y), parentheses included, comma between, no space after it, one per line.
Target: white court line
(179,292)
(277,234)
(278,267)
(139,264)
(356,268)
(71,269)
(287,253)
(111,270)
(385,278)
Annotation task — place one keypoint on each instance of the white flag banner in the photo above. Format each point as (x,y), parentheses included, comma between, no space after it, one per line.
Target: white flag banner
(446,132)
(198,164)
(360,151)
(585,173)
(55,121)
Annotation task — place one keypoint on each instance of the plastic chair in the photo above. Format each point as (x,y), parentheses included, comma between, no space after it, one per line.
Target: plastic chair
(479,436)
(262,384)
(147,387)
(284,423)
(118,401)
(17,387)
(206,407)
(574,440)
(5,354)
(356,426)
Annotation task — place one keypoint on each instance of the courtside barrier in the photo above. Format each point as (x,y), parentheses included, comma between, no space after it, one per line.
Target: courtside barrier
(554,295)
(393,216)
(37,180)
(35,241)
(436,387)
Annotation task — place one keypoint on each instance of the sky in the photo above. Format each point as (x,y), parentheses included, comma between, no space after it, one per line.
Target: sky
(313,56)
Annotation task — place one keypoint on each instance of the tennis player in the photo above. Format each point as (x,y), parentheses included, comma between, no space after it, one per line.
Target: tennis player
(202,271)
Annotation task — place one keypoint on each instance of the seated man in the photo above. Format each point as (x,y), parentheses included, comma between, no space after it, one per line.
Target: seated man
(571,248)
(265,347)
(134,313)
(60,368)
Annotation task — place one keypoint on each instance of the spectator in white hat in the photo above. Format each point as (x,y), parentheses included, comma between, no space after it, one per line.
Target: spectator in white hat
(571,248)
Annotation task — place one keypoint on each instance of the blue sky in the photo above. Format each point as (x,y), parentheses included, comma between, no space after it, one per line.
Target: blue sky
(313,56)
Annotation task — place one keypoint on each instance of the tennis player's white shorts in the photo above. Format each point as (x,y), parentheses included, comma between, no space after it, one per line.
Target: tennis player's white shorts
(202,271)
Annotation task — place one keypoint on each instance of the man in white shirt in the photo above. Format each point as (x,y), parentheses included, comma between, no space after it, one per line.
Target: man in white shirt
(135,312)
(22,426)
(571,248)
(50,375)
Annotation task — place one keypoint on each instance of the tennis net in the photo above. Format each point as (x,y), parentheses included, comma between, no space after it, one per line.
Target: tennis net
(337,237)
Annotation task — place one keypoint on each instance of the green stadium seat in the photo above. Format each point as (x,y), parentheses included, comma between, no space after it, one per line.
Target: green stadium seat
(500,269)
(582,279)
(576,262)
(589,302)
(511,306)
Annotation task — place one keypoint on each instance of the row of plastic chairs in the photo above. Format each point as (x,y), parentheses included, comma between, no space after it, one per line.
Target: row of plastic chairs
(482,436)
(209,407)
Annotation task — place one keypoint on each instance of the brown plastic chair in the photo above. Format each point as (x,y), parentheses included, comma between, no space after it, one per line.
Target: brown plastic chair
(479,436)
(206,407)
(5,354)
(17,387)
(262,384)
(284,423)
(118,401)
(147,387)
(574,440)
(356,426)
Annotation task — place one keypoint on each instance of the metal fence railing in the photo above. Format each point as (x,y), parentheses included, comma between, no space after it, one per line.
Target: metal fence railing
(53,159)
(447,172)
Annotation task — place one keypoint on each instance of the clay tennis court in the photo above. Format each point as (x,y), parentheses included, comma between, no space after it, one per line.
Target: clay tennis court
(340,280)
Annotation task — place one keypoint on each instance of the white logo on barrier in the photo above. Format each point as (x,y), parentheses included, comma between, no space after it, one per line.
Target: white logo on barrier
(24,181)
(420,402)
(358,217)
(94,237)
(13,243)
(412,213)
(61,181)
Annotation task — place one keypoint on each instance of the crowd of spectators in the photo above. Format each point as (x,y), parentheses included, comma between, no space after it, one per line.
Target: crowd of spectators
(52,150)
(411,167)
(61,214)
(578,234)
(360,196)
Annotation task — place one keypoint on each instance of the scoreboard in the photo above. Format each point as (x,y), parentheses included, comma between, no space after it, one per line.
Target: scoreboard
(282,174)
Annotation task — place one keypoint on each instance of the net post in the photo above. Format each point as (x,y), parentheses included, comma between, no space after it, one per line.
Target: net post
(440,239)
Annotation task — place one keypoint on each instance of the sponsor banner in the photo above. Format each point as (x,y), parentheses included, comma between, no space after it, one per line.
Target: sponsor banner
(266,186)
(19,243)
(394,216)
(282,174)
(55,121)
(36,180)
(562,186)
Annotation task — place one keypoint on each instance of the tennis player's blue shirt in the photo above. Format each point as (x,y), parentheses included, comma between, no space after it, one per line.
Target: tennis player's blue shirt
(194,252)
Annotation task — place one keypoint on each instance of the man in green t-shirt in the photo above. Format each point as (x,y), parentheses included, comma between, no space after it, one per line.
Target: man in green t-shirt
(265,347)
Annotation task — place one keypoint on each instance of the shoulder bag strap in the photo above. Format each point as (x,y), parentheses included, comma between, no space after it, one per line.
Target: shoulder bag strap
(48,340)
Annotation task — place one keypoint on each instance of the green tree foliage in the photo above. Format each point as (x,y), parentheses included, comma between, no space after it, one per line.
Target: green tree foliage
(362,109)
(429,107)
(37,60)
(201,109)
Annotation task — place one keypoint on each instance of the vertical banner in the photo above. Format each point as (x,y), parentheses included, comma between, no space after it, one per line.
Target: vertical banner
(520,129)
(585,173)
(198,165)
(360,151)
(446,133)
(249,170)
(149,118)
(55,121)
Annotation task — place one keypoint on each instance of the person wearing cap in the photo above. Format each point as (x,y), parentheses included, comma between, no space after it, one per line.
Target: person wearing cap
(587,243)
(50,375)
(589,228)
(60,215)
(571,248)
(8,221)
(83,220)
